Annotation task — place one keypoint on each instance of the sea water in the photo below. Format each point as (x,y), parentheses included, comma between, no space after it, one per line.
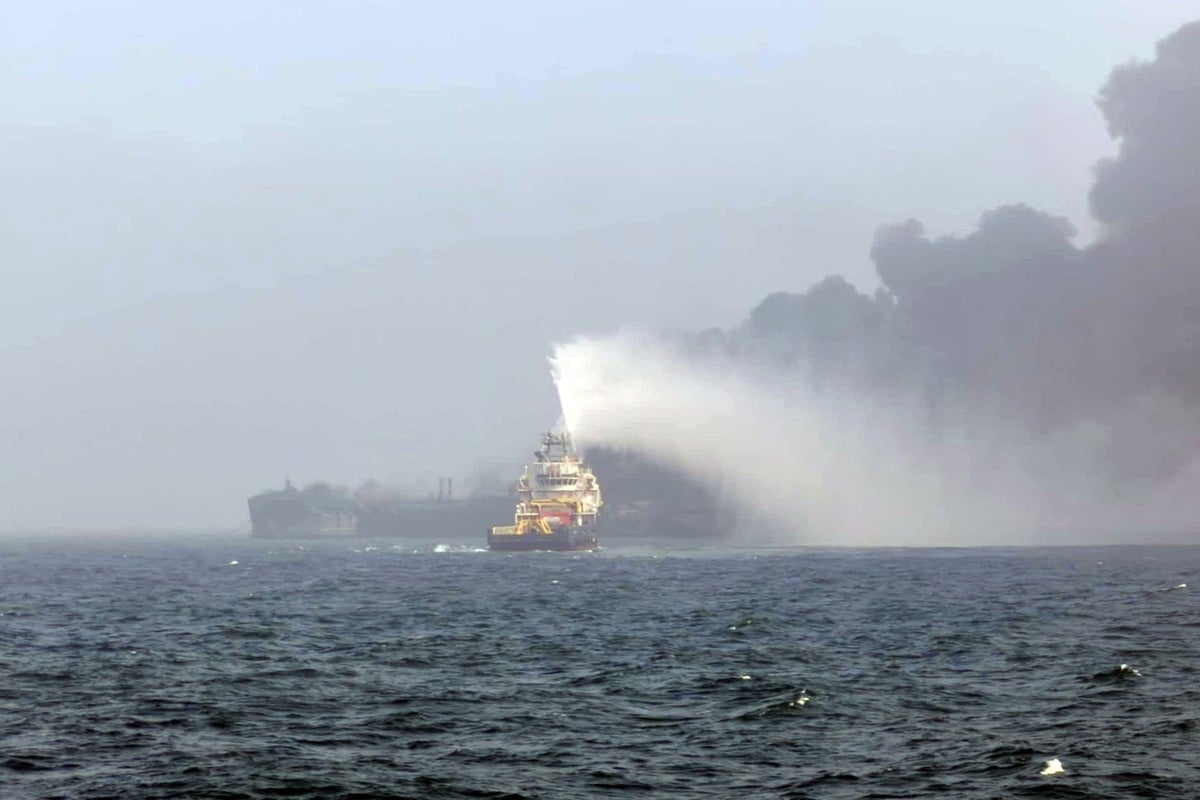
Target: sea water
(235,668)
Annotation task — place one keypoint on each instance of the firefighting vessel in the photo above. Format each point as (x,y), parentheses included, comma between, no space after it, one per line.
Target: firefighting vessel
(557,502)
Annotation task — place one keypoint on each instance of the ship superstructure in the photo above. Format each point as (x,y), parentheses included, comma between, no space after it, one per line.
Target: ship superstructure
(558,502)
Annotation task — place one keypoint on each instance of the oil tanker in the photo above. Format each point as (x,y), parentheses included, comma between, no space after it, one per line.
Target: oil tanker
(321,511)
(558,502)
(317,511)
(643,501)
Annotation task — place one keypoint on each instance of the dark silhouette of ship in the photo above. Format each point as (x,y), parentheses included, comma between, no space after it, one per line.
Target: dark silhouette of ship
(643,501)
(324,511)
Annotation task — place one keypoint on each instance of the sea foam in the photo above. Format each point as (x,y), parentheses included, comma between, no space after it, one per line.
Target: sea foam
(1053,767)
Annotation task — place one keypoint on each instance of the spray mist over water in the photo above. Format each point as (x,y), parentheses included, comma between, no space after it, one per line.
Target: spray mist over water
(797,465)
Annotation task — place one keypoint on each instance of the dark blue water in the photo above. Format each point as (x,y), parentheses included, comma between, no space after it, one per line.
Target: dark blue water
(363,670)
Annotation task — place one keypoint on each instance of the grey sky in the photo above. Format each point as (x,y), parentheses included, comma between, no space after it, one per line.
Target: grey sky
(243,240)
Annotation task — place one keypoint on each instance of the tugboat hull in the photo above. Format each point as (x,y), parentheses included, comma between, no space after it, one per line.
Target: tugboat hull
(571,538)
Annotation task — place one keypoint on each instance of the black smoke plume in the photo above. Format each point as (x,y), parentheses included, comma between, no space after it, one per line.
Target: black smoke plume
(1078,367)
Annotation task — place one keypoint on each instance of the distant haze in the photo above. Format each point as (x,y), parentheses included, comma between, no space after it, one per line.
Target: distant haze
(1003,386)
(249,241)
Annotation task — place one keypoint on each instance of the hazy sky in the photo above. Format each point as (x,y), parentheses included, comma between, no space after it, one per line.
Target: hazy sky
(243,240)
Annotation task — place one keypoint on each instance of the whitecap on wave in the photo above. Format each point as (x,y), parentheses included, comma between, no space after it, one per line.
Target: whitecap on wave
(1122,672)
(457,548)
(1053,767)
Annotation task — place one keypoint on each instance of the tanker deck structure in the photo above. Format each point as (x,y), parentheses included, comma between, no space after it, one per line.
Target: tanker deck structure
(557,502)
